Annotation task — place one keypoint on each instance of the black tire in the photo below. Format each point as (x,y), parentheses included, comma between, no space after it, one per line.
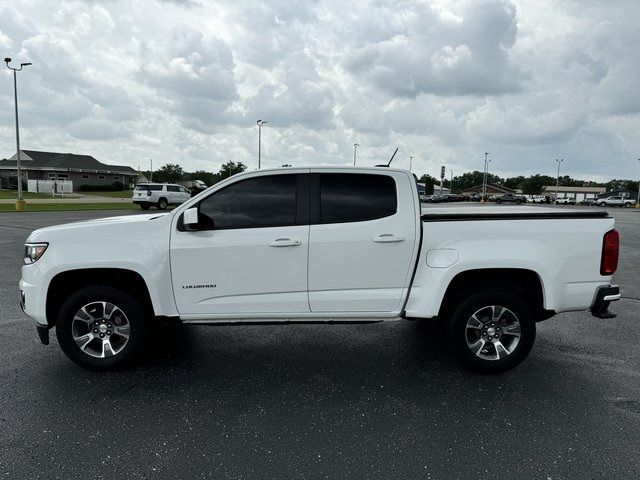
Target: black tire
(498,201)
(518,202)
(627,205)
(459,334)
(135,316)
(602,204)
(162,204)
(145,206)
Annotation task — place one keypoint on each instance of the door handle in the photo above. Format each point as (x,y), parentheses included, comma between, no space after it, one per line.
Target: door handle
(388,238)
(284,242)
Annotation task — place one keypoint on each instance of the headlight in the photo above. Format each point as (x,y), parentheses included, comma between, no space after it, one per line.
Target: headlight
(33,251)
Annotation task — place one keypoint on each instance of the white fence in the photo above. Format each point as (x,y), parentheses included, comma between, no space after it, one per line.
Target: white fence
(50,186)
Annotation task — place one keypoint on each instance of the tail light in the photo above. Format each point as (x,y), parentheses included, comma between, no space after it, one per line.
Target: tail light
(610,252)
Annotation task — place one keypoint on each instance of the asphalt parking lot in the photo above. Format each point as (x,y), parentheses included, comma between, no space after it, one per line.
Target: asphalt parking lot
(364,401)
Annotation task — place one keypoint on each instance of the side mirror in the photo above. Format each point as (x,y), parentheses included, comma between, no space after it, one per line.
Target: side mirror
(190,219)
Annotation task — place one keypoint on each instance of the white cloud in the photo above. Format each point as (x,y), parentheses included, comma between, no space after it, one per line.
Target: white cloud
(445,80)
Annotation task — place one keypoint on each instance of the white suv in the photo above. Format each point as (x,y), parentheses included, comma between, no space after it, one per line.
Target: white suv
(159,194)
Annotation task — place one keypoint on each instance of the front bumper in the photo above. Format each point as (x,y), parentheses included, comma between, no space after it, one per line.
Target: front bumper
(604,296)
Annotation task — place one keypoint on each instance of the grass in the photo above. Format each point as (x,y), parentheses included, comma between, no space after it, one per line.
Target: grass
(13,194)
(118,194)
(69,207)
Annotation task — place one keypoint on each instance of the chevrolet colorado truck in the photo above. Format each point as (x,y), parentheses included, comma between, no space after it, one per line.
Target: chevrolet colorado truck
(323,244)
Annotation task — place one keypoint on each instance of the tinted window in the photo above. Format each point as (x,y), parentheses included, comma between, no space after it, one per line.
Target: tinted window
(258,202)
(172,188)
(356,197)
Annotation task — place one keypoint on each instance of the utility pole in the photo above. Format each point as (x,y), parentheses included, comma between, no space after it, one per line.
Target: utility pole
(20,203)
(355,149)
(484,177)
(260,123)
(451,182)
(410,163)
(558,178)
(151,171)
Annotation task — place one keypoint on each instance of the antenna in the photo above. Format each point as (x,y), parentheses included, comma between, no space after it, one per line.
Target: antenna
(391,159)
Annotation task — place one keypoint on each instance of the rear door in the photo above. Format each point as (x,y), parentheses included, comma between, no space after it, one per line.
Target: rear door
(362,241)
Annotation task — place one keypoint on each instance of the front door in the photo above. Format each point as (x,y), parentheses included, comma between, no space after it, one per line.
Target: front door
(249,256)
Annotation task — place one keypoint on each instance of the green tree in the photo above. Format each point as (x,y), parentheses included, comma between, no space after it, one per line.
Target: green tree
(533,185)
(429,183)
(473,179)
(230,168)
(209,178)
(168,173)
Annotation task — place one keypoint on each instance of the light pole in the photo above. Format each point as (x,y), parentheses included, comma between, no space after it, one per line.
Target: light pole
(484,176)
(451,182)
(638,199)
(355,149)
(260,123)
(151,171)
(410,162)
(20,204)
(558,178)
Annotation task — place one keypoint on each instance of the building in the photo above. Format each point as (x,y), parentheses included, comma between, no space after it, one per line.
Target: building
(82,170)
(577,193)
(492,189)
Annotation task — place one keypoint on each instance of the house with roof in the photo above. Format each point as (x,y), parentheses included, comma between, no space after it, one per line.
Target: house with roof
(82,170)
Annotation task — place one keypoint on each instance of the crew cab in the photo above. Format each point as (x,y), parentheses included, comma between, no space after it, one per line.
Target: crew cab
(615,201)
(319,245)
(511,198)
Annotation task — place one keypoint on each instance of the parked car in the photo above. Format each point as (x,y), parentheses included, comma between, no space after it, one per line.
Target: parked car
(306,245)
(588,202)
(536,199)
(566,201)
(159,195)
(510,198)
(615,201)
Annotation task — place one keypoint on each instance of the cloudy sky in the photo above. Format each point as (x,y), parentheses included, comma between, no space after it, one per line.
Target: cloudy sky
(445,81)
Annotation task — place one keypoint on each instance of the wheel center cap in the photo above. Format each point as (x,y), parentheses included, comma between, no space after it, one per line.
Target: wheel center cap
(103,328)
(491,331)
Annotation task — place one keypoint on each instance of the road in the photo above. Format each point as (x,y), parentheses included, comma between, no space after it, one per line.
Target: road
(371,401)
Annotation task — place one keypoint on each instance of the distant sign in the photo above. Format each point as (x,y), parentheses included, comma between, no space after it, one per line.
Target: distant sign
(442,171)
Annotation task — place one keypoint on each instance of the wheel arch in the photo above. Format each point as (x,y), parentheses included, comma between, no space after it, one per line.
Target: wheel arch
(64,283)
(527,283)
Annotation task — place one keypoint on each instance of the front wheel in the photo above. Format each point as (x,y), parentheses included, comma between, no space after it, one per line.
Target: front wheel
(627,205)
(101,327)
(498,202)
(492,332)
(162,203)
(602,204)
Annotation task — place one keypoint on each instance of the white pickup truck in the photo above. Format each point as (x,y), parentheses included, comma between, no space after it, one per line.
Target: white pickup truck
(319,245)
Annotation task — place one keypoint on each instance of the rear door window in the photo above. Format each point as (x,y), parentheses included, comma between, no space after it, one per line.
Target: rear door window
(355,197)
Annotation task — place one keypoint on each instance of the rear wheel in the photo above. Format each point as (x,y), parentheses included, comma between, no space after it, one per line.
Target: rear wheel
(145,206)
(492,332)
(602,204)
(627,205)
(162,203)
(101,327)
(498,201)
